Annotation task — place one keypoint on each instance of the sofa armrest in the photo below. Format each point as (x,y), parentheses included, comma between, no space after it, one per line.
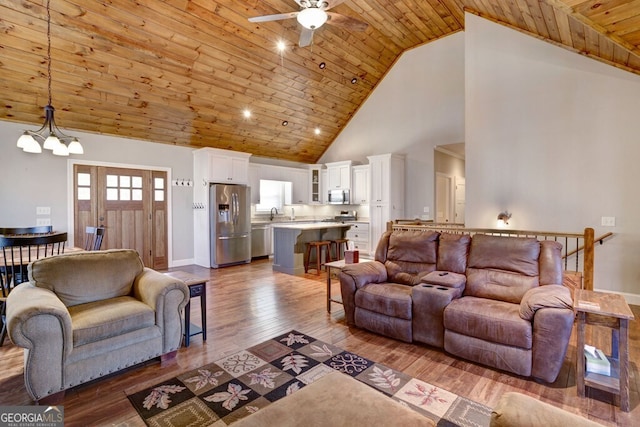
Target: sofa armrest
(550,309)
(168,297)
(547,296)
(353,277)
(38,321)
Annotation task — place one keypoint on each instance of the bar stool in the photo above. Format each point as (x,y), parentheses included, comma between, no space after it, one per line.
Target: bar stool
(318,246)
(340,246)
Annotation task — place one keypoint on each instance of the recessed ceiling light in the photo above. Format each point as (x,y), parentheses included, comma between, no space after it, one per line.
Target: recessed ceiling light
(284,123)
(317,131)
(281,46)
(354,81)
(246,113)
(322,65)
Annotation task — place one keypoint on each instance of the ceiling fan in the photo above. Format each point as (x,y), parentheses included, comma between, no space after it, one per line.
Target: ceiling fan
(312,15)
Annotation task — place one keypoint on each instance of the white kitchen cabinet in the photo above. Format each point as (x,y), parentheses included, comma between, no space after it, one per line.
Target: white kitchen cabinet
(339,175)
(360,185)
(323,185)
(386,200)
(359,235)
(223,166)
(315,185)
(227,169)
(300,186)
(254,182)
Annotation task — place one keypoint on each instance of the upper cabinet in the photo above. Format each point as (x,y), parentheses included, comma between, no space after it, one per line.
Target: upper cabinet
(223,166)
(339,175)
(360,185)
(315,184)
(300,186)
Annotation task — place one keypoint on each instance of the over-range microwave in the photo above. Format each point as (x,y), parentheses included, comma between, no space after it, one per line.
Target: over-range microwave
(339,197)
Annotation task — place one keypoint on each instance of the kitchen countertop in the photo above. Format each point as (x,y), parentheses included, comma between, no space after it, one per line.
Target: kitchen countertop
(296,221)
(311,226)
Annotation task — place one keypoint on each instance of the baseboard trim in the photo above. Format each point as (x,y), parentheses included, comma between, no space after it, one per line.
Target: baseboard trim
(181,262)
(633,299)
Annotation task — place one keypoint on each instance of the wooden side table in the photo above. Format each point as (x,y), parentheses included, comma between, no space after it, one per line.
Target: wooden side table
(612,311)
(196,286)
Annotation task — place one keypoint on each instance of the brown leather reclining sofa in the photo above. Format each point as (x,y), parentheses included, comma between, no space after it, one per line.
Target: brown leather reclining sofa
(494,300)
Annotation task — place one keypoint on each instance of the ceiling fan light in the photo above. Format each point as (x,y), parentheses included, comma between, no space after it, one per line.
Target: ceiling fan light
(312,18)
(75,147)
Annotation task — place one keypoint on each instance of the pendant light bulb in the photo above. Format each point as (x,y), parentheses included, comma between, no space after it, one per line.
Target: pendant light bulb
(61,150)
(31,145)
(51,142)
(24,140)
(75,147)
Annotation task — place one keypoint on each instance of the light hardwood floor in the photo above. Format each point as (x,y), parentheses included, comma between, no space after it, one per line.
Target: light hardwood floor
(250,303)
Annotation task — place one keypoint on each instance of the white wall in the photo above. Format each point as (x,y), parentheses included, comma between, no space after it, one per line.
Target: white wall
(419,104)
(553,137)
(32,180)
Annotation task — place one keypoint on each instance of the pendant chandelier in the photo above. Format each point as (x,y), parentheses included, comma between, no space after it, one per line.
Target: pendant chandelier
(49,135)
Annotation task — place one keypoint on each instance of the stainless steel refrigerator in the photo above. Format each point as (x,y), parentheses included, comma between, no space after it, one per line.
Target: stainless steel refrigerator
(230,215)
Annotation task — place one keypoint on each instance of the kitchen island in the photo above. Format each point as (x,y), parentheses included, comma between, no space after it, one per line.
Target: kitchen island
(289,242)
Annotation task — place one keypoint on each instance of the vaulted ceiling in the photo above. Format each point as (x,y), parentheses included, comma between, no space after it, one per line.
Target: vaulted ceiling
(183,71)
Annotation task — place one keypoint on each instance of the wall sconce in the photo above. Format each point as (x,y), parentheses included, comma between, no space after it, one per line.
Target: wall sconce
(504,217)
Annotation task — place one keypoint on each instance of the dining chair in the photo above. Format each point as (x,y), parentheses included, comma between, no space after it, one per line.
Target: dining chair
(16,252)
(93,239)
(13,231)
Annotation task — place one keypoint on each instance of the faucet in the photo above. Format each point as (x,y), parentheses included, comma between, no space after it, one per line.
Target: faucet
(272,214)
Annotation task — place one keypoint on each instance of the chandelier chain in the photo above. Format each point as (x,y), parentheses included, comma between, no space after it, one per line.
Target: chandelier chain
(49,49)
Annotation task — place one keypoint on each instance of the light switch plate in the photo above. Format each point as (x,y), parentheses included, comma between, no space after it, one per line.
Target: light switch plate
(43,221)
(43,210)
(608,221)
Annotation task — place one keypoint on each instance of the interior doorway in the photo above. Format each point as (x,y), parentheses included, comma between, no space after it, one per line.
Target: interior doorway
(131,204)
(443,205)
(449,188)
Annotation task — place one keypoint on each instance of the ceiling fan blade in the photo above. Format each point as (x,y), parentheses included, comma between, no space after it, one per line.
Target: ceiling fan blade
(306,37)
(346,22)
(276,17)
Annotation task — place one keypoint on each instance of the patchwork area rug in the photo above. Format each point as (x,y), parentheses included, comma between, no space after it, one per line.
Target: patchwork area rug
(233,387)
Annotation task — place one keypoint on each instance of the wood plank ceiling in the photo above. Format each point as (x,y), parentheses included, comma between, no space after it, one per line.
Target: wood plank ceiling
(183,71)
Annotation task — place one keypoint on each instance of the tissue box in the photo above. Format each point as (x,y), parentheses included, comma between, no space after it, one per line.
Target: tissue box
(597,362)
(351,257)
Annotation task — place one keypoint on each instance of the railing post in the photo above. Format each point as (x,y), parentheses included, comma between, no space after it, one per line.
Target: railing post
(589,251)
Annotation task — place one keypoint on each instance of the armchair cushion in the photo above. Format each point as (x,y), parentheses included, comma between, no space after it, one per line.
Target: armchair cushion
(553,296)
(78,278)
(99,320)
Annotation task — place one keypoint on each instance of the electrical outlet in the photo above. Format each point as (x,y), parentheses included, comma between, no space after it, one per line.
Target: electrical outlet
(43,221)
(426,209)
(43,210)
(608,221)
